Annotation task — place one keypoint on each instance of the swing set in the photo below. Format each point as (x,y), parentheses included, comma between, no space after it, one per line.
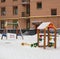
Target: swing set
(10,23)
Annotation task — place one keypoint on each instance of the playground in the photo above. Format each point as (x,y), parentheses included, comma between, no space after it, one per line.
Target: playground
(28,46)
(12,49)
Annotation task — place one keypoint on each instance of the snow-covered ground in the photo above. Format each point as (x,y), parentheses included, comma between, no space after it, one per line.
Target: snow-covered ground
(12,49)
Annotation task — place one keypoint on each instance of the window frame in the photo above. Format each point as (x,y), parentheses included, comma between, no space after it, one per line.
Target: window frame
(14,0)
(15,25)
(15,10)
(2,24)
(3,1)
(3,11)
(54,11)
(39,5)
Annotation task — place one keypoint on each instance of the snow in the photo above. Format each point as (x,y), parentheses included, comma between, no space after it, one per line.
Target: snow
(12,49)
(43,25)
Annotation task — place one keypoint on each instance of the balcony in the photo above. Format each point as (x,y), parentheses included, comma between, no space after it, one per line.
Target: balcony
(25,2)
(24,14)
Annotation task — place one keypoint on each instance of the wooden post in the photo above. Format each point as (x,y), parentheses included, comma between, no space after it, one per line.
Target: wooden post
(44,38)
(36,28)
(38,37)
(55,40)
(48,36)
(20,29)
(16,32)
(5,29)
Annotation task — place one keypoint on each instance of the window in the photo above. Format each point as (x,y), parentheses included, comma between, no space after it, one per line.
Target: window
(23,14)
(39,5)
(28,24)
(23,0)
(14,0)
(3,11)
(15,24)
(2,24)
(2,0)
(53,11)
(15,10)
(28,9)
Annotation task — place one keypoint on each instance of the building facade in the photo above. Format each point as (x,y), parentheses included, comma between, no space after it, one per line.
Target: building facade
(49,10)
(27,11)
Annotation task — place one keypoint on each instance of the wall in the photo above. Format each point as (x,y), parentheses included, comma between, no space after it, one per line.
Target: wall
(47,5)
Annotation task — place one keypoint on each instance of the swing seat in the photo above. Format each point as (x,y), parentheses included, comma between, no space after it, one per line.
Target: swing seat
(18,34)
(4,35)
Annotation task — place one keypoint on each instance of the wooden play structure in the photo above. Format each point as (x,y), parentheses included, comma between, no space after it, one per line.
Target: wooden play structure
(36,24)
(10,23)
(46,27)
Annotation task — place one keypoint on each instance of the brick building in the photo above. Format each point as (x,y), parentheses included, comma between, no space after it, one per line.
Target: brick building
(26,11)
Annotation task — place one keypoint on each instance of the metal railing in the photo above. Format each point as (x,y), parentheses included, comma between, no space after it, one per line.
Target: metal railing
(25,1)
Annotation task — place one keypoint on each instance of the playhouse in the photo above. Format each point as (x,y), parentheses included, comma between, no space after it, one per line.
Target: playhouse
(46,27)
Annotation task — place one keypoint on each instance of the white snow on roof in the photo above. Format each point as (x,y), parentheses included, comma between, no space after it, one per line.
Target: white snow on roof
(43,25)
